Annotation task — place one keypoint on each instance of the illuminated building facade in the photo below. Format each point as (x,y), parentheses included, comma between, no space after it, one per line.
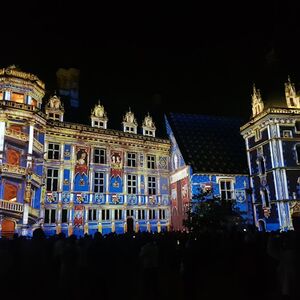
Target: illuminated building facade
(76,178)
(207,154)
(272,139)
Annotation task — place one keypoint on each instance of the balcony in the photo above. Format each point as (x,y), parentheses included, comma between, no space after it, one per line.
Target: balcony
(8,169)
(15,134)
(11,206)
(37,145)
(15,207)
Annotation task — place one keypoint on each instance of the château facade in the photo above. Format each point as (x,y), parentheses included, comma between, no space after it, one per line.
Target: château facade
(272,138)
(76,178)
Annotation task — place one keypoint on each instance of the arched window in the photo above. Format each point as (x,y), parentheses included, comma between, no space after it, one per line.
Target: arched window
(297,149)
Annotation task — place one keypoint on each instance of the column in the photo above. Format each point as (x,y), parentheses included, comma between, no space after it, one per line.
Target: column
(86,220)
(125,188)
(2,135)
(1,219)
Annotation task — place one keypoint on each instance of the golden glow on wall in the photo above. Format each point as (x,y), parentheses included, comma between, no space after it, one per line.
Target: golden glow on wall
(16,97)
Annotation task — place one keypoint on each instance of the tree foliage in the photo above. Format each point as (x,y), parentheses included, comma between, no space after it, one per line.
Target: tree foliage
(210,213)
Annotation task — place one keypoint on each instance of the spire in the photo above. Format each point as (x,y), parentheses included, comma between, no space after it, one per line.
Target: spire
(257,103)
(292,100)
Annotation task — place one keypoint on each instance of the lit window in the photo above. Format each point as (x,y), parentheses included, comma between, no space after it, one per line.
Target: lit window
(6,95)
(53,151)
(226,189)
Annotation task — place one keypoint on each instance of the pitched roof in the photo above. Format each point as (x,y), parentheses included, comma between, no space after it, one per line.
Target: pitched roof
(210,144)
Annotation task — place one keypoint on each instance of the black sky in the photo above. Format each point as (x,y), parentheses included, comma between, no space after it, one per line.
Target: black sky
(181,58)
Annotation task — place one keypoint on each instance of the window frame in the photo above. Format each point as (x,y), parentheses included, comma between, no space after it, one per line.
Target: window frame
(151,161)
(53,151)
(101,157)
(226,190)
(131,184)
(53,179)
(98,182)
(151,185)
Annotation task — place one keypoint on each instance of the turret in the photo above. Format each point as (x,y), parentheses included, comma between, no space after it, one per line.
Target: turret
(257,103)
(292,100)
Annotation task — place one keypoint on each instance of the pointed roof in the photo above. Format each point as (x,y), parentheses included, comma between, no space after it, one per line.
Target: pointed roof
(210,144)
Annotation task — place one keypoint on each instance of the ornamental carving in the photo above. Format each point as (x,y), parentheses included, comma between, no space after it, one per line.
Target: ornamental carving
(129,118)
(54,103)
(99,111)
(148,122)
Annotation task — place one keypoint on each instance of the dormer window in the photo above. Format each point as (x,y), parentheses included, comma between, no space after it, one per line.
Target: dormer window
(149,126)
(98,116)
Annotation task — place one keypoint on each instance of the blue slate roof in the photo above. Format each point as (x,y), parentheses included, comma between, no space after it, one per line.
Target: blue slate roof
(210,144)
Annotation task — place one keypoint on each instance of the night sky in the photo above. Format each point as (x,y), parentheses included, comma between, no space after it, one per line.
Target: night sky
(193,59)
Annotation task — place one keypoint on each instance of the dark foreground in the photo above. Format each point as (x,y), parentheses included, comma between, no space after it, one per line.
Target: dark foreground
(248,265)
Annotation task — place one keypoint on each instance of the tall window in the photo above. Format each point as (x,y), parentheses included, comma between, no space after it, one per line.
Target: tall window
(92,214)
(99,182)
(297,148)
(105,215)
(266,198)
(141,214)
(131,159)
(53,151)
(49,216)
(162,214)
(226,189)
(131,184)
(130,212)
(52,180)
(152,214)
(150,161)
(118,214)
(99,156)
(151,185)
(64,215)
(261,166)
